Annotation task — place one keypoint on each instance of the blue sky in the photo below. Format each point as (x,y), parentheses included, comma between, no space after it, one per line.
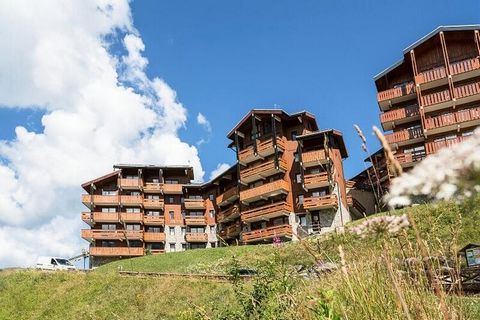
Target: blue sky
(226,57)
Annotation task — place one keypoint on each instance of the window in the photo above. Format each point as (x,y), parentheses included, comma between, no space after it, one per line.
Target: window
(171,214)
(319,193)
(156,246)
(172,247)
(155,180)
(109,209)
(132,210)
(297,157)
(303,220)
(134,193)
(212,213)
(135,227)
(184,246)
(198,245)
(298,178)
(300,199)
(171,199)
(197,230)
(154,229)
(109,193)
(315,170)
(183,231)
(213,244)
(131,177)
(294,134)
(136,243)
(153,196)
(153,213)
(211,197)
(267,127)
(172,231)
(106,243)
(171,181)
(109,227)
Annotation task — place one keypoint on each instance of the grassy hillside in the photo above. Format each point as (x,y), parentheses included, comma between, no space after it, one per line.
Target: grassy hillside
(371,284)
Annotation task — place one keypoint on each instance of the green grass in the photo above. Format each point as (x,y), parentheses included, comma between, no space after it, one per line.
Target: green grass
(103,294)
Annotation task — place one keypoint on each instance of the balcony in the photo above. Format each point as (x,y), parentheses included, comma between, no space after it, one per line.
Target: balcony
(87,217)
(435,146)
(320,203)
(195,220)
(264,149)
(357,206)
(405,137)
(130,184)
(194,204)
(316,180)
(97,199)
(128,200)
(227,197)
(431,78)
(108,217)
(465,69)
(131,217)
(152,187)
(149,203)
(267,233)
(115,251)
(196,237)
(395,95)
(436,100)
(230,231)
(228,214)
(154,237)
(99,234)
(264,191)
(267,212)
(314,158)
(398,116)
(153,220)
(467,93)
(452,121)
(169,188)
(261,171)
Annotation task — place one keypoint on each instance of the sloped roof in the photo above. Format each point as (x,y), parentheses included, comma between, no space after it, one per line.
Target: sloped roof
(337,134)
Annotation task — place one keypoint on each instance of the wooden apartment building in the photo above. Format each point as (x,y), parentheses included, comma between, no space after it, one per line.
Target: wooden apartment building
(428,100)
(287,182)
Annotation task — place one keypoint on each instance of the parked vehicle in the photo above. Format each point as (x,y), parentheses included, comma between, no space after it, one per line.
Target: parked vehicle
(54,263)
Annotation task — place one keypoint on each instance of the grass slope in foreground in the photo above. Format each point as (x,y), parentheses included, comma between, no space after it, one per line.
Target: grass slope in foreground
(365,290)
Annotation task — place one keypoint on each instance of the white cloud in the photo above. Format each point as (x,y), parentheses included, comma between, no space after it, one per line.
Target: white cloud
(100,109)
(221,167)
(203,121)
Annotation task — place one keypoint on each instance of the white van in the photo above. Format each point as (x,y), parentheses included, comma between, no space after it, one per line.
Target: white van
(54,263)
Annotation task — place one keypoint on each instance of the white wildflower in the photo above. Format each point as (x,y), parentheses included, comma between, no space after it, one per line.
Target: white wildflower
(391,225)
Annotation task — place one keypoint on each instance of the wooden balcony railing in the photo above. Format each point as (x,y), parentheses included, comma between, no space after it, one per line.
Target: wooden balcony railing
(87,217)
(153,203)
(264,148)
(316,180)
(264,169)
(464,66)
(467,90)
(152,187)
(313,158)
(404,158)
(268,189)
(284,230)
(353,203)
(435,146)
(435,98)
(398,92)
(318,203)
(115,251)
(131,200)
(228,214)
(106,217)
(153,220)
(453,118)
(266,212)
(398,114)
(230,231)
(99,234)
(154,237)
(101,199)
(228,196)
(431,75)
(169,188)
(404,135)
(131,217)
(195,220)
(196,237)
(192,204)
(130,183)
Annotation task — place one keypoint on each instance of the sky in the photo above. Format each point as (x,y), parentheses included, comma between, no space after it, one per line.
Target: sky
(84,85)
